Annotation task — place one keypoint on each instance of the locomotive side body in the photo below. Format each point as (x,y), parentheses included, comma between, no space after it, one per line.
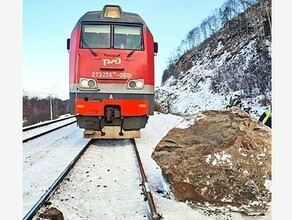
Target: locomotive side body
(111,73)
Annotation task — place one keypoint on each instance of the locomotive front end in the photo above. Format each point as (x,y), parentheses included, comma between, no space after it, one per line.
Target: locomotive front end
(111,73)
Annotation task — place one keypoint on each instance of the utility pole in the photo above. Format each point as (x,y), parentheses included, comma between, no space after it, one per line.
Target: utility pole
(51,107)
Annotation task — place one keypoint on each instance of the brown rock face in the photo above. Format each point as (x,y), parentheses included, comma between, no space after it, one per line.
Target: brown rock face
(223,159)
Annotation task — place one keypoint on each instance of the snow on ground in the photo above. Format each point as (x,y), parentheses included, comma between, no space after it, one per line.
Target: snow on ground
(44,160)
(40,167)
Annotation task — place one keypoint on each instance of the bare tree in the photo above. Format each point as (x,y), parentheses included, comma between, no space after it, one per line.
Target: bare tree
(203,28)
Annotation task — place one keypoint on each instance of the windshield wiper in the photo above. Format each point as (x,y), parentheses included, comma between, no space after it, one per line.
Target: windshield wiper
(132,51)
(88,47)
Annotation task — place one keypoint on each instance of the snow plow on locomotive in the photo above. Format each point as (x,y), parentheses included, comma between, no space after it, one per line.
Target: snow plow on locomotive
(111,73)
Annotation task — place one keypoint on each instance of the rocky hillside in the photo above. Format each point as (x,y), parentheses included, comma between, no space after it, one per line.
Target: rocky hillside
(230,68)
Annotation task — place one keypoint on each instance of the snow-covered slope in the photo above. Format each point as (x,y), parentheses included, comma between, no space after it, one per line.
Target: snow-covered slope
(232,67)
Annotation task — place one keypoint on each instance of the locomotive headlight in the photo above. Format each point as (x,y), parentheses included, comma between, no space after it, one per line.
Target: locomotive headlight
(132,84)
(112,11)
(139,84)
(91,83)
(83,83)
(87,83)
(136,84)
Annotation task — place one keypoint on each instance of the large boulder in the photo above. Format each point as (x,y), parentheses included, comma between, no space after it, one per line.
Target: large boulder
(222,158)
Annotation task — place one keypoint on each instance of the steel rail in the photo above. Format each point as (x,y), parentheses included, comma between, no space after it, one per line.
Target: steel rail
(30,127)
(145,187)
(54,186)
(46,132)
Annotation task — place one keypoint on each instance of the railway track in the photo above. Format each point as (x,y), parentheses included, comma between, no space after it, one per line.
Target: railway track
(146,190)
(31,127)
(54,186)
(39,130)
(106,188)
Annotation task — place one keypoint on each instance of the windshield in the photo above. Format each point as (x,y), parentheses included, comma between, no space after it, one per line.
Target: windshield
(95,36)
(123,36)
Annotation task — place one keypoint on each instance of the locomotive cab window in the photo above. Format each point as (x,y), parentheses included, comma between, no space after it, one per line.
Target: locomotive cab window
(122,36)
(95,36)
(127,37)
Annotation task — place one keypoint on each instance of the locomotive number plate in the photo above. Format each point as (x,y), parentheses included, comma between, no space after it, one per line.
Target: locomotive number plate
(111,75)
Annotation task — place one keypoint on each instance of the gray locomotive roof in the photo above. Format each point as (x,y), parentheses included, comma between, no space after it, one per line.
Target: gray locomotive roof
(97,16)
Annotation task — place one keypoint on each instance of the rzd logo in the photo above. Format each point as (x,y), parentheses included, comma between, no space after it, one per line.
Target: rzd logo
(113,61)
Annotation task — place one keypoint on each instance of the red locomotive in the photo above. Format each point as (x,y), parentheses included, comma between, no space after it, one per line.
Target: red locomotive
(111,73)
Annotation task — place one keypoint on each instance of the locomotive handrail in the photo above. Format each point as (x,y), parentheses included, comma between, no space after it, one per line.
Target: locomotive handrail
(112,68)
(112,55)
